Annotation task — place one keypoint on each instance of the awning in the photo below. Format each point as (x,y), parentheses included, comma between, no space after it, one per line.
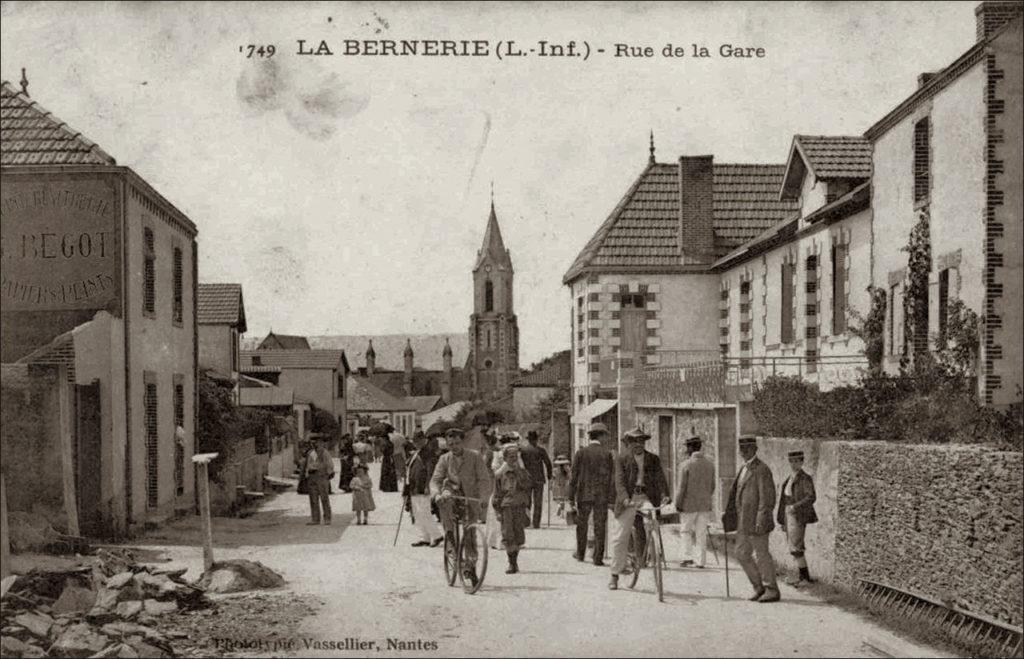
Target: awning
(595,409)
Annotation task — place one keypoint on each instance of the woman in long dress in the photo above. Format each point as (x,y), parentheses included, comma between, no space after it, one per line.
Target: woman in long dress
(345,457)
(388,478)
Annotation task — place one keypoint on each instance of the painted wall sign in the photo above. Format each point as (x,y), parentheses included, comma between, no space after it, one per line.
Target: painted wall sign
(59,243)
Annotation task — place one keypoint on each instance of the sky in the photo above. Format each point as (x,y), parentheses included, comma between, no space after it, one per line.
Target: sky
(349,195)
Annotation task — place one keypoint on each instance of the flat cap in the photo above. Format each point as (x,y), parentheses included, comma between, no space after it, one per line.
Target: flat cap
(596,428)
(693,441)
(795,454)
(455,432)
(748,440)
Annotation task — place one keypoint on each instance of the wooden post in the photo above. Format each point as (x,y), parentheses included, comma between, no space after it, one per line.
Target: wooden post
(5,534)
(202,461)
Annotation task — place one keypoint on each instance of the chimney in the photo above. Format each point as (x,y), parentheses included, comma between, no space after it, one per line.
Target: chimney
(24,82)
(696,221)
(446,374)
(994,14)
(924,78)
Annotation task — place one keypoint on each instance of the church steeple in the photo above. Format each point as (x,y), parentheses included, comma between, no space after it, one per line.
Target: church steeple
(493,247)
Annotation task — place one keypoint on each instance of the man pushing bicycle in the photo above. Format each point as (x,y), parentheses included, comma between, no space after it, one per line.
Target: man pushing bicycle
(639,479)
(461,486)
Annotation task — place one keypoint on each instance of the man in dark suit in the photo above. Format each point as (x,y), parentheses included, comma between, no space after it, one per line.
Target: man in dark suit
(591,490)
(749,512)
(796,511)
(538,465)
(639,478)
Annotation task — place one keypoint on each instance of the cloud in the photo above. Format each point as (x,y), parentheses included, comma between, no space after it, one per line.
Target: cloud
(314,103)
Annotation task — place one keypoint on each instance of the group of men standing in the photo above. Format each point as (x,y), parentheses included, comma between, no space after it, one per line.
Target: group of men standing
(634,478)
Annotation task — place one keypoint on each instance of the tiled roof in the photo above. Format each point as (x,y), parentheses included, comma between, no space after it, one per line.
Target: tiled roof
(642,231)
(559,371)
(427,349)
(836,156)
(30,135)
(364,396)
(283,342)
(220,304)
(292,359)
(446,413)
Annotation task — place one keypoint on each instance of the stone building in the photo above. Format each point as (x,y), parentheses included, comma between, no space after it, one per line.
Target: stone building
(221,320)
(99,279)
(314,376)
(951,152)
(493,362)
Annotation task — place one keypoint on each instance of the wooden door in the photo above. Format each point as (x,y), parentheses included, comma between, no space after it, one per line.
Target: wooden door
(88,466)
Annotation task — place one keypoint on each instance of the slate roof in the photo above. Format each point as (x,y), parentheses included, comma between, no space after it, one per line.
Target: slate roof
(364,396)
(284,342)
(31,135)
(220,304)
(642,231)
(293,359)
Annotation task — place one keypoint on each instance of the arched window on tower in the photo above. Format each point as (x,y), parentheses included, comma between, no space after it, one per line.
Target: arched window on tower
(488,296)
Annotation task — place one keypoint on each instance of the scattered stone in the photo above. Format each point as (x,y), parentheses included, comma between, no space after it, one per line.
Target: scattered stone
(6,583)
(119,580)
(74,599)
(38,624)
(154,607)
(146,650)
(175,572)
(235,576)
(79,640)
(106,599)
(119,650)
(129,609)
(12,647)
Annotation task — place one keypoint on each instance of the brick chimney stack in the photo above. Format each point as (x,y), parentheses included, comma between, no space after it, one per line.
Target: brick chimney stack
(924,78)
(696,221)
(993,14)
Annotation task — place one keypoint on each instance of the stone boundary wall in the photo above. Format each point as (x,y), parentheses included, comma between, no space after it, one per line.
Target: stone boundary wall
(943,521)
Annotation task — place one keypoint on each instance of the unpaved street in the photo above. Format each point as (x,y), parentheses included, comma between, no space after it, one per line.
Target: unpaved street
(377,598)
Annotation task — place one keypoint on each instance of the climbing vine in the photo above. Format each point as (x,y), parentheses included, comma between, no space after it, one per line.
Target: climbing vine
(915,299)
(871,328)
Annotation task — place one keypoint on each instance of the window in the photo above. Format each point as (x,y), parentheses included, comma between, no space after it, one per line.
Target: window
(616,331)
(632,300)
(593,297)
(579,302)
(178,309)
(897,318)
(148,274)
(595,367)
(787,304)
(595,332)
(488,335)
(579,351)
(595,315)
(922,160)
(839,289)
(616,315)
(652,331)
(179,446)
(652,314)
(579,336)
(582,400)
(595,350)
(488,295)
(152,446)
(488,363)
(943,305)
(257,360)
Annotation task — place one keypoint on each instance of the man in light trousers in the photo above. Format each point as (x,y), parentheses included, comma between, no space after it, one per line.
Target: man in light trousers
(693,501)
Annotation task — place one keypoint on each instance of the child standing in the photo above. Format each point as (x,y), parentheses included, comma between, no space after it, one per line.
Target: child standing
(511,497)
(560,483)
(362,494)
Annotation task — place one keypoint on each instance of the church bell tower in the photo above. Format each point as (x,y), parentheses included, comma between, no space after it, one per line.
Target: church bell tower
(493,330)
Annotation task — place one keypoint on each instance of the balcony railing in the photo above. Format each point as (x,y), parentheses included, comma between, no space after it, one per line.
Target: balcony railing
(708,377)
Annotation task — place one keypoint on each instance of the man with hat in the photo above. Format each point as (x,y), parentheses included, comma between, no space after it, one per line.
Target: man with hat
(796,511)
(591,489)
(639,479)
(319,470)
(538,465)
(749,513)
(693,501)
(512,485)
(461,479)
(420,469)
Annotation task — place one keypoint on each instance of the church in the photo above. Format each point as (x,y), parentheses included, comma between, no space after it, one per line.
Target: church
(422,366)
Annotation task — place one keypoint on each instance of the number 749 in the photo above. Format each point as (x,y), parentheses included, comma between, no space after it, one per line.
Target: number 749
(253,50)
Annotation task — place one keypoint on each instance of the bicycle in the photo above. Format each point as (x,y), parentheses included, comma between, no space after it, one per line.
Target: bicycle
(654,551)
(458,551)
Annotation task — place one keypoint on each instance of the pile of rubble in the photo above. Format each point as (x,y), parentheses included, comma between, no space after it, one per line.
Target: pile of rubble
(105,608)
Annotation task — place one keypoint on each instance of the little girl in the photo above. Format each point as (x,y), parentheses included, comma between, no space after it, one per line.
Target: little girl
(362,494)
(560,483)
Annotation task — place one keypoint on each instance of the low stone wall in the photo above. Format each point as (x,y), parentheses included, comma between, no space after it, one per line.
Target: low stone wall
(943,521)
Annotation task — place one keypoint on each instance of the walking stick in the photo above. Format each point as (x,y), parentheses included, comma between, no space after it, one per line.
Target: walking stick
(549,505)
(401,512)
(725,537)
(711,541)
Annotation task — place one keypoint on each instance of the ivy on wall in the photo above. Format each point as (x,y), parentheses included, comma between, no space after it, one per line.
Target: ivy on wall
(915,299)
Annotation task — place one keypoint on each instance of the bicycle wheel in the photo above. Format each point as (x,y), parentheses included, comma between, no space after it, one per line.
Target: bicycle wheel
(657,556)
(451,556)
(473,557)
(633,558)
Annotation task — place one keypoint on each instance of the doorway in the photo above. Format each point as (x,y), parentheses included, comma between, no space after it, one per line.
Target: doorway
(88,464)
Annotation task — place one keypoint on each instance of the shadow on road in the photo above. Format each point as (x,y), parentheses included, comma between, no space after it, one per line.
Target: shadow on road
(265,528)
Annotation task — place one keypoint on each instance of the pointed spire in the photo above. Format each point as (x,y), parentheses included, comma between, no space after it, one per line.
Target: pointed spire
(493,246)
(408,348)
(369,350)
(651,160)
(447,348)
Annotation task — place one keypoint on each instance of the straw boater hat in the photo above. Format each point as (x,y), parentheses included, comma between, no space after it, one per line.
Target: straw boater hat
(511,447)
(636,435)
(796,455)
(748,440)
(561,460)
